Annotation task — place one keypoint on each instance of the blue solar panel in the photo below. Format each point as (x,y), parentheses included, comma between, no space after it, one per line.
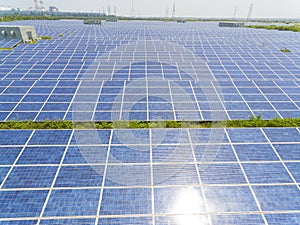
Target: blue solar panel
(181,174)
(156,176)
(237,219)
(18,204)
(41,155)
(50,137)
(249,77)
(142,176)
(126,201)
(255,152)
(73,202)
(19,222)
(30,177)
(138,220)
(69,221)
(223,174)
(267,173)
(275,198)
(8,155)
(79,176)
(3,172)
(230,199)
(288,151)
(294,169)
(22,116)
(282,135)
(19,137)
(86,155)
(140,154)
(246,135)
(283,218)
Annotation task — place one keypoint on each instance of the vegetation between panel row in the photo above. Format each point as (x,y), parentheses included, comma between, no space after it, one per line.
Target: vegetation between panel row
(253,122)
(294,28)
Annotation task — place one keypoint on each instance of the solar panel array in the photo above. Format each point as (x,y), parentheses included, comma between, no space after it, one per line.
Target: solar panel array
(150,71)
(152,100)
(248,176)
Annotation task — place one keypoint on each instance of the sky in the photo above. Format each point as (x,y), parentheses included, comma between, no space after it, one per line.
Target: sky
(186,8)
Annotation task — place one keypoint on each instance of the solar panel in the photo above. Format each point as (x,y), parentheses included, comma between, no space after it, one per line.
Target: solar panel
(150,71)
(150,176)
(263,80)
(57,99)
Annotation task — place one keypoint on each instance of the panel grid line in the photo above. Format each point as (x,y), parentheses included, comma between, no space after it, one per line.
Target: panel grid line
(104,177)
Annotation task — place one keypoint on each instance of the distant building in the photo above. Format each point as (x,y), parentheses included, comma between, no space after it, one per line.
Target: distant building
(181,21)
(23,33)
(112,20)
(231,24)
(53,9)
(94,22)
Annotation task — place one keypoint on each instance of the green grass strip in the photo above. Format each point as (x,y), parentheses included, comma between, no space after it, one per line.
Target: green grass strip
(295,28)
(45,37)
(6,49)
(285,50)
(61,124)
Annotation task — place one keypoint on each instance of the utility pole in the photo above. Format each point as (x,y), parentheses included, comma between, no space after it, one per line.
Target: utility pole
(234,14)
(250,12)
(132,8)
(36,5)
(174,10)
(167,12)
(108,10)
(115,10)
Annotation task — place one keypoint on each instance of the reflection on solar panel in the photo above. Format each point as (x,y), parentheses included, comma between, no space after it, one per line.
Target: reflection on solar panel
(159,176)
(150,71)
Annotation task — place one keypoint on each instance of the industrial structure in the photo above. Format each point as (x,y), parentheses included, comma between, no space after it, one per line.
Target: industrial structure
(53,9)
(112,19)
(23,33)
(231,24)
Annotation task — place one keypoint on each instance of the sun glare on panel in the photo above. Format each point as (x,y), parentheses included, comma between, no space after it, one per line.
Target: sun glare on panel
(187,205)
